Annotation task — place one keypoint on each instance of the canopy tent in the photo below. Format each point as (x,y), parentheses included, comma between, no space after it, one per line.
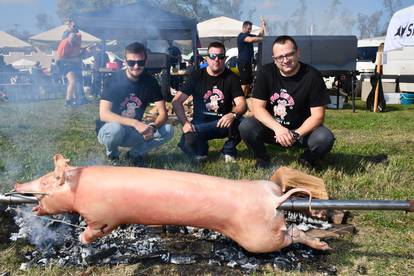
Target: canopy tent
(9,42)
(222,29)
(23,63)
(400,30)
(399,48)
(53,36)
(137,22)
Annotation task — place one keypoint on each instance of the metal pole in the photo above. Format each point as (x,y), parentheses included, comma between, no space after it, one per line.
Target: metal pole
(294,204)
(17,199)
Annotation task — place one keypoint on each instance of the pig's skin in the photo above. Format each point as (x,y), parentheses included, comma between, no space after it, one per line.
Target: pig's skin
(106,197)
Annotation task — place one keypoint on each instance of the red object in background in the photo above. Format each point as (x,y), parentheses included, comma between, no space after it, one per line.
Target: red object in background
(113,66)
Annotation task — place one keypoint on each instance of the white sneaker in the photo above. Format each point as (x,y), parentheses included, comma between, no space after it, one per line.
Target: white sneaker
(229,159)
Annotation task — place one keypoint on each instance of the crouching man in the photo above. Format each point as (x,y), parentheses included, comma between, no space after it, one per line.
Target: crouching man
(122,107)
(288,100)
(219,104)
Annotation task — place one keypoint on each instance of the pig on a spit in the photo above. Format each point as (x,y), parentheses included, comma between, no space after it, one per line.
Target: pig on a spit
(105,196)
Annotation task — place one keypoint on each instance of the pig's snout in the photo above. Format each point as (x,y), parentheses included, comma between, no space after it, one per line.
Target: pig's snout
(27,187)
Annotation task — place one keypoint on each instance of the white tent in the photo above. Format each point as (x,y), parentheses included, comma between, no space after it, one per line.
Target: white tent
(398,56)
(53,36)
(400,30)
(23,63)
(223,29)
(10,42)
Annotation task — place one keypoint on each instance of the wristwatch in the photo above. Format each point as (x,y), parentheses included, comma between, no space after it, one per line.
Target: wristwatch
(154,127)
(296,136)
(236,116)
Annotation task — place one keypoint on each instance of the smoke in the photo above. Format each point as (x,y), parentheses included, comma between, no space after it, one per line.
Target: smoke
(40,231)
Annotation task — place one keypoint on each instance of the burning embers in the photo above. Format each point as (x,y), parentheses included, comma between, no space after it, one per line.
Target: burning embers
(57,243)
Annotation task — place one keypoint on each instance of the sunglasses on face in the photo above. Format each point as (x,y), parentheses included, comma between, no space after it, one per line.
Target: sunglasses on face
(214,56)
(288,56)
(131,63)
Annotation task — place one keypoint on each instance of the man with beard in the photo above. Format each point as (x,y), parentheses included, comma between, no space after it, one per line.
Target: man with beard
(288,100)
(218,106)
(122,107)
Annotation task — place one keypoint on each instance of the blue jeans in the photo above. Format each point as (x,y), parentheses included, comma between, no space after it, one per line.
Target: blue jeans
(115,135)
(255,135)
(208,131)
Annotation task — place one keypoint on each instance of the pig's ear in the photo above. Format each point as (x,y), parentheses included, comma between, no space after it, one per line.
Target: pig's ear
(60,165)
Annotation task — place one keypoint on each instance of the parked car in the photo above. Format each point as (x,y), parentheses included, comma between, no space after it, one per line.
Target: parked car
(231,58)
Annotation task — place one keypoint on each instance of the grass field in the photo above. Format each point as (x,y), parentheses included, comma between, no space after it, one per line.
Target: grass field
(372,159)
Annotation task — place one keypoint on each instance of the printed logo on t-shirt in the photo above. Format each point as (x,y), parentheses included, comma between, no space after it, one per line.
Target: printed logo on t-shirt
(213,99)
(129,106)
(281,102)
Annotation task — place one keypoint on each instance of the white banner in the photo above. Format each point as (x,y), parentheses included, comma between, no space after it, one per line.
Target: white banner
(400,32)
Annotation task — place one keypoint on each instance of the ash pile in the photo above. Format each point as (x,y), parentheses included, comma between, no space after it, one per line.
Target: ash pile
(56,242)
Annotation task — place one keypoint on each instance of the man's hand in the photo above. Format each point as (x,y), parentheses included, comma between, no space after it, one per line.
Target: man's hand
(145,130)
(284,137)
(262,23)
(188,127)
(226,120)
(263,26)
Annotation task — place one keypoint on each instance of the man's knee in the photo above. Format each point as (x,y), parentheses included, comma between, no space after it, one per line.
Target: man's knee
(321,139)
(246,127)
(110,132)
(166,131)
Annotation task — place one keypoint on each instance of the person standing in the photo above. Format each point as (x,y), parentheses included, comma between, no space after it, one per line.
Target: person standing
(72,28)
(70,65)
(288,100)
(245,57)
(218,107)
(175,60)
(122,107)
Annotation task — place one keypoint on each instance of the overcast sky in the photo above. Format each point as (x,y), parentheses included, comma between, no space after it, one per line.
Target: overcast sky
(23,12)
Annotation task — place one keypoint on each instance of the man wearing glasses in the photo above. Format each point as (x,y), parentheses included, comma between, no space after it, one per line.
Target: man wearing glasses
(288,100)
(122,107)
(218,106)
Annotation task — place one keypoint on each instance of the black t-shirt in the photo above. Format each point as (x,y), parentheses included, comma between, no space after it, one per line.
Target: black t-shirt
(289,99)
(175,54)
(213,94)
(245,49)
(130,98)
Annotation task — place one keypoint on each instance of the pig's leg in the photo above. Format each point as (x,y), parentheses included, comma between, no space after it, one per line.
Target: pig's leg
(92,233)
(294,235)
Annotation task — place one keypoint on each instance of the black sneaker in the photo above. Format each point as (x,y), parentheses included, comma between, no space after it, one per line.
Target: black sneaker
(307,162)
(113,160)
(136,161)
(68,103)
(262,164)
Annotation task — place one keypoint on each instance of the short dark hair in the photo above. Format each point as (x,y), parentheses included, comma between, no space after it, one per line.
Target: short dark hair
(217,44)
(136,48)
(282,40)
(247,23)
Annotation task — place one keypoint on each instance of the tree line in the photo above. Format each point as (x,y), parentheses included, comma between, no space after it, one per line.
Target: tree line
(338,19)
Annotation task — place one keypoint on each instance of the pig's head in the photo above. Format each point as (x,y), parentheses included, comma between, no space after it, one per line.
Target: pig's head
(49,188)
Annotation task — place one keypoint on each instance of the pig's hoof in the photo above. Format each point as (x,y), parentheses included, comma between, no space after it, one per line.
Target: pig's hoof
(320,245)
(81,239)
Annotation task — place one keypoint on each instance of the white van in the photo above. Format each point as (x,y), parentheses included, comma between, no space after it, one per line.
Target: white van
(367,53)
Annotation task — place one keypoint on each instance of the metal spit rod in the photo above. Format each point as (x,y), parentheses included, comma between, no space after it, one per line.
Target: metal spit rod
(292,204)
(295,204)
(17,199)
